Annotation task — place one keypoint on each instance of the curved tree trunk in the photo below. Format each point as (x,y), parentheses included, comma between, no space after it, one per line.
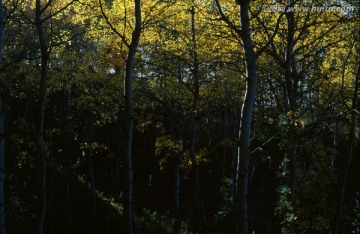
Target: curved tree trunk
(241,163)
(246,118)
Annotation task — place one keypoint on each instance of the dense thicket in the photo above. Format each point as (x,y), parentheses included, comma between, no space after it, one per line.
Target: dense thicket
(242,120)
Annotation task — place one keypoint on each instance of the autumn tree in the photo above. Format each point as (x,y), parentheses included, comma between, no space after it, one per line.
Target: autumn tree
(132,47)
(243,31)
(302,92)
(229,122)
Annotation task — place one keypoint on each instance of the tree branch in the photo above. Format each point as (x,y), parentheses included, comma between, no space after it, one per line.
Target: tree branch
(56,12)
(271,38)
(123,38)
(226,19)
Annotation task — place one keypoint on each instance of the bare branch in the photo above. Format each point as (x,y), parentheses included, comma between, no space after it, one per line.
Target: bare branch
(271,38)
(226,19)
(146,19)
(58,11)
(122,37)
(45,7)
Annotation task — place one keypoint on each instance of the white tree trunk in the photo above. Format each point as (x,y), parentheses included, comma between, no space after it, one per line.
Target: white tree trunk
(246,119)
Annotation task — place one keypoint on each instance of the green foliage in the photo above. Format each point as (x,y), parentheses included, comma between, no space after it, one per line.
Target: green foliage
(316,186)
(228,200)
(167,148)
(285,208)
(285,205)
(290,121)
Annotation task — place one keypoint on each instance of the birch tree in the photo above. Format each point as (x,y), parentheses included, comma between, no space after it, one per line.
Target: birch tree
(132,47)
(243,31)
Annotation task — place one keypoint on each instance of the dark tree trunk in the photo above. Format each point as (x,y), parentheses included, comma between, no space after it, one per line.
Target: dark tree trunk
(246,118)
(130,61)
(225,130)
(242,161)
(291,84)
(2,154)
(180,126)
(336,144)
(50,193)
(345,171)
(92,182)
(194,126)
(69,164)
(177,191)
(41,115)
(2,140)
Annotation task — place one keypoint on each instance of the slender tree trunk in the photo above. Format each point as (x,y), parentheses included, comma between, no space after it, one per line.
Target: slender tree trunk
(50,192)
(225,146)
(291,91)
(246,118)
(242,161)
(180,126)
(42,105)
(2,140)
(128,159)
(177,190)
(234,177)
(2,154)
(194,126)
(69,164)
(336,143)
(130,61)
(225,130)
(345,172)
(92,182)
(293,144)
(68,197)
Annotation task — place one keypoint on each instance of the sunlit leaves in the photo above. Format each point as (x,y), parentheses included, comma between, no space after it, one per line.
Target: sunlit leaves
(165,148)
(168,149)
